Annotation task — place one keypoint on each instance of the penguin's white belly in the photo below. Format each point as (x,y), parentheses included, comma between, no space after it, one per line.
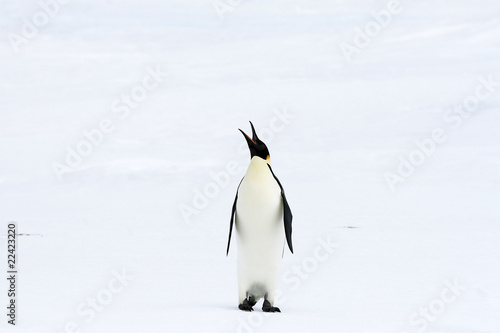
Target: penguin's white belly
(261,235)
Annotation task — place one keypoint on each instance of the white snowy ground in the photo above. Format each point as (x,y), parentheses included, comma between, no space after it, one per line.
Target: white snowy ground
(423,257)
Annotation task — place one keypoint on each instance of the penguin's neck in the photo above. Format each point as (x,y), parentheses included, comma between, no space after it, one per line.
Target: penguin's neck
(258,168)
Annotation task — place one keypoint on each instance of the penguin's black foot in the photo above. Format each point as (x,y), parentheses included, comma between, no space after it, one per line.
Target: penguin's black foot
(245,307)
(267,307)
(247,304)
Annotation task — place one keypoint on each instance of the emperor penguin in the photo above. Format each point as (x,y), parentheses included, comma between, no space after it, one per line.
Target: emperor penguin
(263,221)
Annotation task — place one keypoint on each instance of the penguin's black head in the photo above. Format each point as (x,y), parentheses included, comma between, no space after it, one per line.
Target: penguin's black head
(256,146)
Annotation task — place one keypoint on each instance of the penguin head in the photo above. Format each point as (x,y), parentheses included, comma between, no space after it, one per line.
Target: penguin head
(256,146)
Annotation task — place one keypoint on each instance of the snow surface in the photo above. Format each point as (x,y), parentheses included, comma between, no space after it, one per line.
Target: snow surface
(120,209)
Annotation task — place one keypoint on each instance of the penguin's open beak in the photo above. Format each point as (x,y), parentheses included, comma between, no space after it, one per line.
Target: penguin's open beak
(250,142)
(254,140)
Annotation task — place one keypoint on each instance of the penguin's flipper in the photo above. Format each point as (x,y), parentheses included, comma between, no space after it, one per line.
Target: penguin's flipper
(287,213)
(233,214)
(287,219)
